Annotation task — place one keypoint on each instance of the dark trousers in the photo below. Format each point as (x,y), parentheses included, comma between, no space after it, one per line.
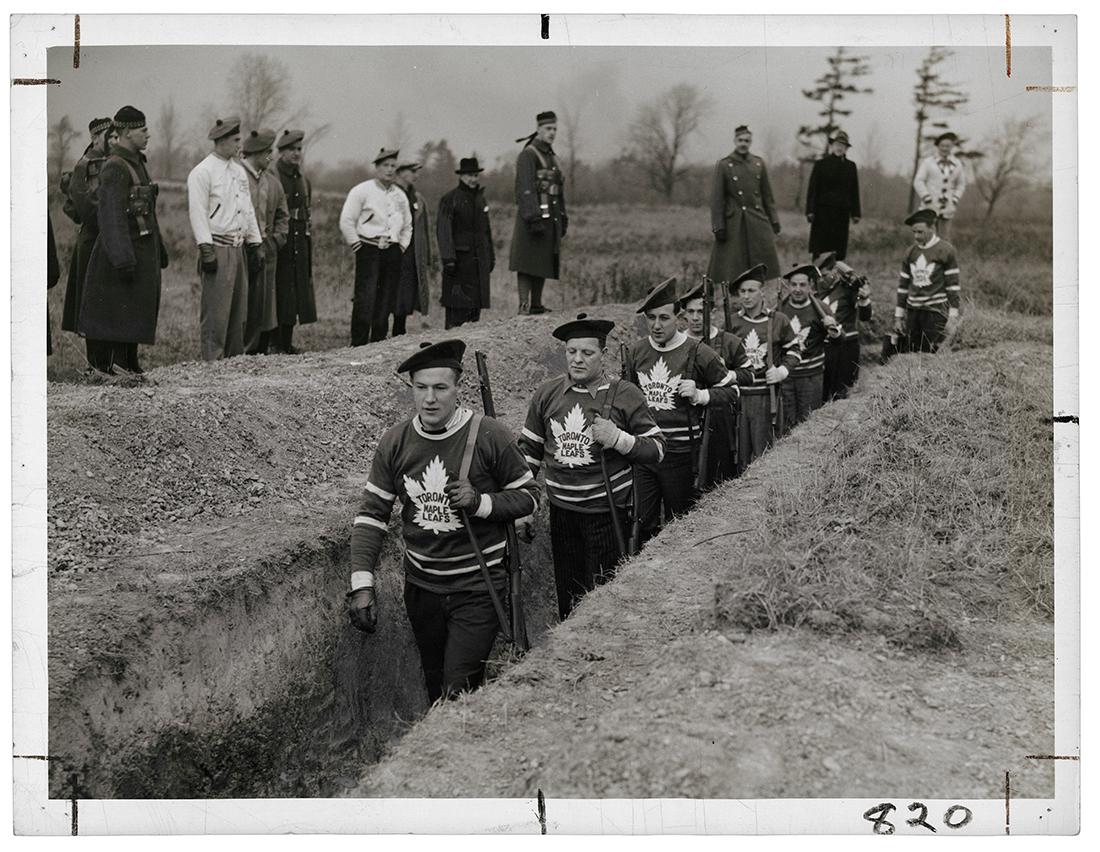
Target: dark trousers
(801,396)
(454,634)
(925,330)
(721,459)
(459,316)
(585,553)
(670,486)
(530,291)
(841,368)
(399,324)
(105,355)
(377,274)
(756,425)
(283,338)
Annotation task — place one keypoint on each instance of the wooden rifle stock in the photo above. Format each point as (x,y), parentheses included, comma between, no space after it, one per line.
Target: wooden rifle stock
(518,633)
(703,462)
(636,519)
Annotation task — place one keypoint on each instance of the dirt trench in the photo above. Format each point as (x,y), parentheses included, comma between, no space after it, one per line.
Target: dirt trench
(206,653)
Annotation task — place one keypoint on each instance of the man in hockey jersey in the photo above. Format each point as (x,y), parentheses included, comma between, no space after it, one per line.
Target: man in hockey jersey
(590,431)
(773,351)
(448,466)
(848,296)
(928,286)
(721,419)
(680,377)
(813,323)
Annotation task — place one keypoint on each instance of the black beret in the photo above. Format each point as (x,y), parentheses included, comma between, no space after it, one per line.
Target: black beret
(807,269)
(547,117)
(98,125)
(386,154)
(925,215)
(447,353)
(825,260)
(128,118)
(258,140)
(224,127)
(756,273)
(947,135)
(662,294)
(290,137)
(582,326)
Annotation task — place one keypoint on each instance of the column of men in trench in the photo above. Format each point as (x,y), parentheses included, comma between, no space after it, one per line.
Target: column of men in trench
(621,451)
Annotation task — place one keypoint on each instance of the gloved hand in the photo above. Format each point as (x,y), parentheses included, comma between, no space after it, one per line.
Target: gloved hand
(163,257)
(564,225)
(449,267)
(363,609)
(720,235)
(463,495)
(810,217)
(536,226)
(775,375)
(208,259)
(256,255)
(689,390)
(125,274)
(525,528)
(832,327)
(604,432)
(899,321)
(776,228)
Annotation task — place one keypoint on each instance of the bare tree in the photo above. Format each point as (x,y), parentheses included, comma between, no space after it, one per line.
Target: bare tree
(1004,163)
(660,133)
(260,89)
(169,148)
(62,134)
(931,94)
(399,133)
(571,123)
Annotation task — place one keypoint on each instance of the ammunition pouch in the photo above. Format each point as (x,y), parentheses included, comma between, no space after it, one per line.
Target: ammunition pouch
(141,204)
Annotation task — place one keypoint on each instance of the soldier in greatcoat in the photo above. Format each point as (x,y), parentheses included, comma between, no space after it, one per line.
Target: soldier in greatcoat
(269,202)
(418,265)
(121,297)
(541,219)
(465,246)
(294,299)
(80,206)
(743,217)
(832,199)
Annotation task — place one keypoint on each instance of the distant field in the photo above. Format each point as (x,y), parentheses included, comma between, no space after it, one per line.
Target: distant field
(612,254)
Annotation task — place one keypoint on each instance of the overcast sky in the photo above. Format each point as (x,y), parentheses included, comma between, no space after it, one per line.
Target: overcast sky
(481,98)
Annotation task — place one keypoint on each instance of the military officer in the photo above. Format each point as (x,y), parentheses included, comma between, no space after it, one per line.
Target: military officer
(466,246)
(295,302)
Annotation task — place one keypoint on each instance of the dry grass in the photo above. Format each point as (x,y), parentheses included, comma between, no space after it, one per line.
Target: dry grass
(931,505)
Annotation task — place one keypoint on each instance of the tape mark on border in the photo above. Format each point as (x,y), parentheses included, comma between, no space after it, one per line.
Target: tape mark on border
(76,41)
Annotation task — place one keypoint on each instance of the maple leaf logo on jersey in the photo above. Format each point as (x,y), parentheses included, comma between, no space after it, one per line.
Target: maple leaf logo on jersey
(659,387)
(921,272)
(573,439)
(433,509)
(799,331)
(755,350)
(831,304)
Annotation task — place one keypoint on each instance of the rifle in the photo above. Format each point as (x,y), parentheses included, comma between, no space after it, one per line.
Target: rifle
(773,404)
(515,573)
(636,521)
(727,314)
(704,446)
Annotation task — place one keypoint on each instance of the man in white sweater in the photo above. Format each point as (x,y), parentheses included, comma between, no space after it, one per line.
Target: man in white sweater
(223,221)
(376,224)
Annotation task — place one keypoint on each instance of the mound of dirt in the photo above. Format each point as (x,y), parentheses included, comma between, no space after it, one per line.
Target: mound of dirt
(648,690)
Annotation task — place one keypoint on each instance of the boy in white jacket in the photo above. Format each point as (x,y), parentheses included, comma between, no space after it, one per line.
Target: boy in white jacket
(940,182)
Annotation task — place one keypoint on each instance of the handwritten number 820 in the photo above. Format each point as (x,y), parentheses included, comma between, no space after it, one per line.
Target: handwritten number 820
(956,816)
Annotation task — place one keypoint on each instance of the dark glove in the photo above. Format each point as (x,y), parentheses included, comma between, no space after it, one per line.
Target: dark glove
(462,495)
(564,225)
(536,226)
(256,255)
(208,259)
(125,274)
(363,609)
(449,267)
(163,257)
(720,235)
(775,228)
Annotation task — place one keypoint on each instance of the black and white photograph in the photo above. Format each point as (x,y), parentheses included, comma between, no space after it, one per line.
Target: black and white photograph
(639,422)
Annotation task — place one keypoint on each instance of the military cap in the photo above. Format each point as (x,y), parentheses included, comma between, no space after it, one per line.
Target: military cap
(741,128)
(447,353)
(409,165)
(807,269)
(947,135)
(468,166)
(662,294)
(98,125)
(841,136)
(825,260)
(757,273)
(129,118)
(258,140)
(386,154)
(290,137)
(695,292)
(583,326)
(224,127)
(548,117)
(925,215)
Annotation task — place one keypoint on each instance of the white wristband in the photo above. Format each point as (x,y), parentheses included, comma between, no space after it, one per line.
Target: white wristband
(361,580)
(899,313)
(484,507)
(702,397)
(624,443)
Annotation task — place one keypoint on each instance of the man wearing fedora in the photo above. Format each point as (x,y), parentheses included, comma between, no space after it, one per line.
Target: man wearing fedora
(541,220)
(223,221)
(940,182)
(294,299)
(269,202)
(465,246)
(377,225)
(928,285)
(418,265)
(832,199)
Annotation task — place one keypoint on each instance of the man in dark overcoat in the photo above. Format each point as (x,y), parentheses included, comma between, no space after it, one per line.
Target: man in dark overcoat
(743,217)
(832,199)
(418,265)
(80,206)
(122,291)
(294,299)
(465,246)
(541,219)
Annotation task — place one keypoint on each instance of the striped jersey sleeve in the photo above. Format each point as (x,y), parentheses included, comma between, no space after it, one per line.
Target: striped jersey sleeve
(375,507)
(787,348)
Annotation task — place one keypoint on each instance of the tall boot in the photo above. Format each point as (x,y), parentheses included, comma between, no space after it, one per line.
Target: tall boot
(536,296)
(523,282)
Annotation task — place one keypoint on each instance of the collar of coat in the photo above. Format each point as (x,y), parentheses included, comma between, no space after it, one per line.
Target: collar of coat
(288,168)
(733,155)
(542,146)
(133,156)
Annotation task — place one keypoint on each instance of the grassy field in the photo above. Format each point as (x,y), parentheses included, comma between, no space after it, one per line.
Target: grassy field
(613,254)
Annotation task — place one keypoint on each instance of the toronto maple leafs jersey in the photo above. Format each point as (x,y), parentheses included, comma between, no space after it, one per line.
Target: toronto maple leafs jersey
(731,349)
(658,371)
(810,331)
(929,278)
(755,334)
(558,434)
(414,466)
(841,300)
